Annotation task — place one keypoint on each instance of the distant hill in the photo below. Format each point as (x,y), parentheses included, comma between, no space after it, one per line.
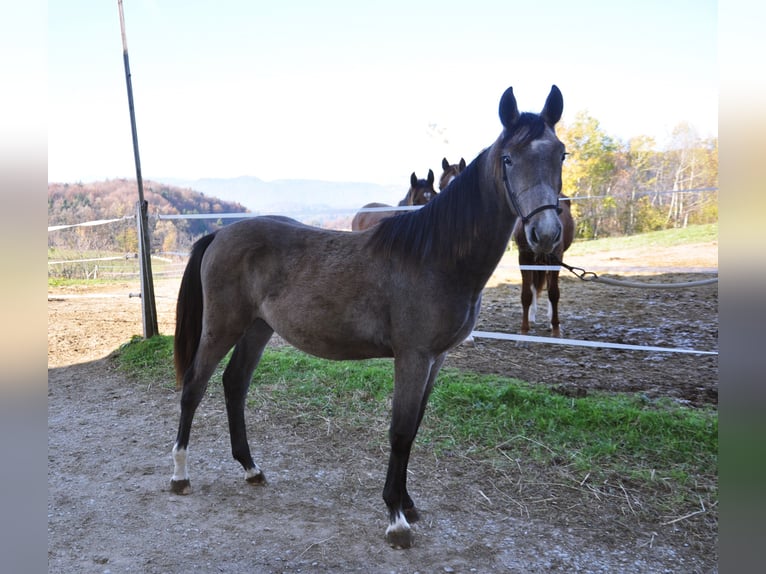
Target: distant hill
(70,204)
(294,197)
(327,204)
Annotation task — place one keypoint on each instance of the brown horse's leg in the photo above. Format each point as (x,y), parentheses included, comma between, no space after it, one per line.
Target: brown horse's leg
(526,299)
(553,298)
(553,302)
(413,380)
(236,381)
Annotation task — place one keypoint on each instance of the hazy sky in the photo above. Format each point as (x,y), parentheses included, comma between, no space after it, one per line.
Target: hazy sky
(354,90)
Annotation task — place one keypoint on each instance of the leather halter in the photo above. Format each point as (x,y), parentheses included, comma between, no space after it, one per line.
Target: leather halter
(513,201)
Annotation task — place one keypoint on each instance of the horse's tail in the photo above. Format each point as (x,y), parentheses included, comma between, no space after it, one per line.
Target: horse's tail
(189,311)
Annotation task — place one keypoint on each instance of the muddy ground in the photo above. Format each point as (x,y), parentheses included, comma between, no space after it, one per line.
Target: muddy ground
(110,508)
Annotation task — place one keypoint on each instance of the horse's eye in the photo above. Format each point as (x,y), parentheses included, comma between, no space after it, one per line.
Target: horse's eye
(507,160)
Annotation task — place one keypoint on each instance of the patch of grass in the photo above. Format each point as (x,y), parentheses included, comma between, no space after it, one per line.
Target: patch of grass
(148,360)
(69,282)
(656,239)
(601,435)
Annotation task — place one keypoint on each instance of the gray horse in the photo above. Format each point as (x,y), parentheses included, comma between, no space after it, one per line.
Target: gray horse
(408,288)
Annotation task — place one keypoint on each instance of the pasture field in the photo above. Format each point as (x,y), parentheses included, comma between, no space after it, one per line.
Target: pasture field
(668,238)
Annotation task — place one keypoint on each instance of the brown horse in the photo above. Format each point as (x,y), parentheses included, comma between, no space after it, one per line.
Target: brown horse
(408,288)
(421,192)
(450,172)
(533,281)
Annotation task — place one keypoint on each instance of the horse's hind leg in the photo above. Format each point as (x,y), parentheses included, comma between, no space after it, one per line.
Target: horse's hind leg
(414,379)
(194,385)
(236,381)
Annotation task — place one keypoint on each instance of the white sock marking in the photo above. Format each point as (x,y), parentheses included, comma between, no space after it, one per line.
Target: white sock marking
(179,464)
(253,472)
(533,307)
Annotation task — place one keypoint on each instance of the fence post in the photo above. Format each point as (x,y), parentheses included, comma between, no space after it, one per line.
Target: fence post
(148,307)
(145,261)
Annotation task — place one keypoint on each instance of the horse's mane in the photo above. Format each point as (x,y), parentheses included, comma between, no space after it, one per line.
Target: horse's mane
(442,228)
(445,228)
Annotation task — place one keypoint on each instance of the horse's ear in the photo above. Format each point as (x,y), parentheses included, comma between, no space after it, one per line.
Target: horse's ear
(509,110)
(413,179)
(461,165)
(445,163)
(430,177)
(554,106)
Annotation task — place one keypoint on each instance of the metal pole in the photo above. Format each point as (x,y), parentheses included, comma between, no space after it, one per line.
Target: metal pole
(145,262)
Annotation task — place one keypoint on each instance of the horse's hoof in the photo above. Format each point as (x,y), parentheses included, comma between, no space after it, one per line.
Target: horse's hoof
(258,478)
(180,486)
(399,533)
(399,539)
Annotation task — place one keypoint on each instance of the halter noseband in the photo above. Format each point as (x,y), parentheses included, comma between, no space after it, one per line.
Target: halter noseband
(513,201)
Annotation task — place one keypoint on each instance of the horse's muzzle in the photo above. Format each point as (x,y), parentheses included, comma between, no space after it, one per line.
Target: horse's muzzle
(544,232)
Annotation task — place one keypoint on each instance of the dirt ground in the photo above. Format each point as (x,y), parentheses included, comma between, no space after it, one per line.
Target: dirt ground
(110,508)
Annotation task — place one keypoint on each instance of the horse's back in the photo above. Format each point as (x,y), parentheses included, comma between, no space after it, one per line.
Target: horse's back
(366,219)
(315,287)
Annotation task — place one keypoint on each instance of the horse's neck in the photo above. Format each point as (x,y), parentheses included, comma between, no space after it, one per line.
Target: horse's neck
(491,233)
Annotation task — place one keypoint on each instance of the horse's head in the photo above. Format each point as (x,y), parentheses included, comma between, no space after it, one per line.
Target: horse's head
(527,160)
(421,190)
(450,172)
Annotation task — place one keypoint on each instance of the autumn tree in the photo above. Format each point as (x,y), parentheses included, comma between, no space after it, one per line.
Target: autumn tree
(589,172)
(688,164)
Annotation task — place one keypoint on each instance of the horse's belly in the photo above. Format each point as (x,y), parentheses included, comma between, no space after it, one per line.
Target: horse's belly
(329,336)
(335,347)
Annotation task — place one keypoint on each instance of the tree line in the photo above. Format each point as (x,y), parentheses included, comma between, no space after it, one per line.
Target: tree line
(617,188)
(629,188)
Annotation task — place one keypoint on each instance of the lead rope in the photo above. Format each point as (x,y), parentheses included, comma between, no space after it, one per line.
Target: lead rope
(584,275)
(579,272)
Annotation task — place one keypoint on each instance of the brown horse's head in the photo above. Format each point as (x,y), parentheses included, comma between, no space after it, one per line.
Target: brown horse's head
(421,190)
(527,160)
(450,172)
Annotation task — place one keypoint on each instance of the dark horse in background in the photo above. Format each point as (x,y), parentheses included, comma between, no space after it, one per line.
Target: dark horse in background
(421,192)
(450,172)
(535,281)
(408,288)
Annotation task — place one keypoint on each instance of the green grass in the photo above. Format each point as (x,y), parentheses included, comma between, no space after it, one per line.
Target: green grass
(665,238)
(601,435)
(148,360)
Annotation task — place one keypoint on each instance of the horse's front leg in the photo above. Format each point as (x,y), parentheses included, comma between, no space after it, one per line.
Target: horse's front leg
(527,301)
(553,302)
(414,377)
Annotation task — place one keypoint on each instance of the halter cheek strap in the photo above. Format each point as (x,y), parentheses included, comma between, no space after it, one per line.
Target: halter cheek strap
(513,201)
